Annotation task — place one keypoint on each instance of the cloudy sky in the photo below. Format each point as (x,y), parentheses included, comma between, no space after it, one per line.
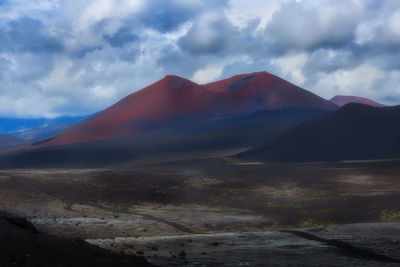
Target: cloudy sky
(76,57)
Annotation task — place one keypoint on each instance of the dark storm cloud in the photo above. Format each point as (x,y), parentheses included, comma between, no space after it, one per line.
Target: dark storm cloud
(166,15)
(122,37)
(208,39)
(27,34)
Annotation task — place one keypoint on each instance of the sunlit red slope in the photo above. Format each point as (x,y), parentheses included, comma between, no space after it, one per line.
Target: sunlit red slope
(172,97)
(270,91)
(342,100)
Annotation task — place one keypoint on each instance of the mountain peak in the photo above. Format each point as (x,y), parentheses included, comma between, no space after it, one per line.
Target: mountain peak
(270,91)
(172,82)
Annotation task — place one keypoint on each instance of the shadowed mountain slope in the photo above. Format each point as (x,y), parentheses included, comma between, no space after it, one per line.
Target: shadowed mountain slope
(7,140)
(174,140)
(354,132)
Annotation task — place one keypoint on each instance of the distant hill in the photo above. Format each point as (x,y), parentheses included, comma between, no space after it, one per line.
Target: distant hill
(354,132)
(35,129)
(10,141)
(342,100)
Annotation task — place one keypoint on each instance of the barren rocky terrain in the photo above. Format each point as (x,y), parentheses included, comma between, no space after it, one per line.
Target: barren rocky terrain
(220,211)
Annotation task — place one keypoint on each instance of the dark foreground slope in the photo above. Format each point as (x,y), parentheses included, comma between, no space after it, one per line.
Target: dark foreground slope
(185,138)
(354,132)
(22,245)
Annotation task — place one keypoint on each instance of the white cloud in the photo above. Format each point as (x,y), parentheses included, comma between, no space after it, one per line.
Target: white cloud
(213,71)
(365,33)
(103,93)
(394,23)
(33,105)
(59,77)
(208,74)
(290,67)
(241,12)
(359,81)
(99,10)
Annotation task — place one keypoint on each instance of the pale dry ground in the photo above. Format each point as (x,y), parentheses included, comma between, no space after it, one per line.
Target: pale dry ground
(263,248)
(222,214)
(102,219)
(144,220)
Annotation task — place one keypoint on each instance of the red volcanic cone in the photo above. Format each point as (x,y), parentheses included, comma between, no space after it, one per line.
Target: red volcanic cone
(169,98)
(174,97)
(271,91)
